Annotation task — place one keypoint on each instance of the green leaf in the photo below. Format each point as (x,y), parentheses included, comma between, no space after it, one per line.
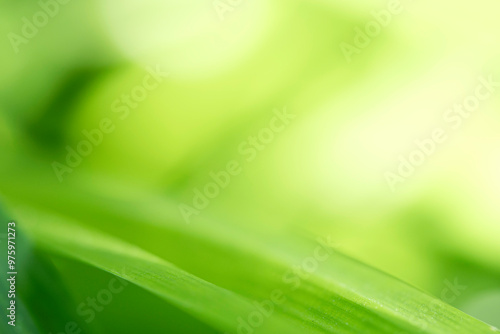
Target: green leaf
(340,296)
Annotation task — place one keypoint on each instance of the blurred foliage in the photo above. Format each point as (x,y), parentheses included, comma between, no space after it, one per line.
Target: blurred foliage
(322,175)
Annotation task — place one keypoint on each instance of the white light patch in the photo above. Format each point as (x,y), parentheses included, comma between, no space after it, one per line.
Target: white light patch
(190,38)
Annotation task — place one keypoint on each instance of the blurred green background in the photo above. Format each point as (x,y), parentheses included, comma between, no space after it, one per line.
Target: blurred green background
(225,69)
